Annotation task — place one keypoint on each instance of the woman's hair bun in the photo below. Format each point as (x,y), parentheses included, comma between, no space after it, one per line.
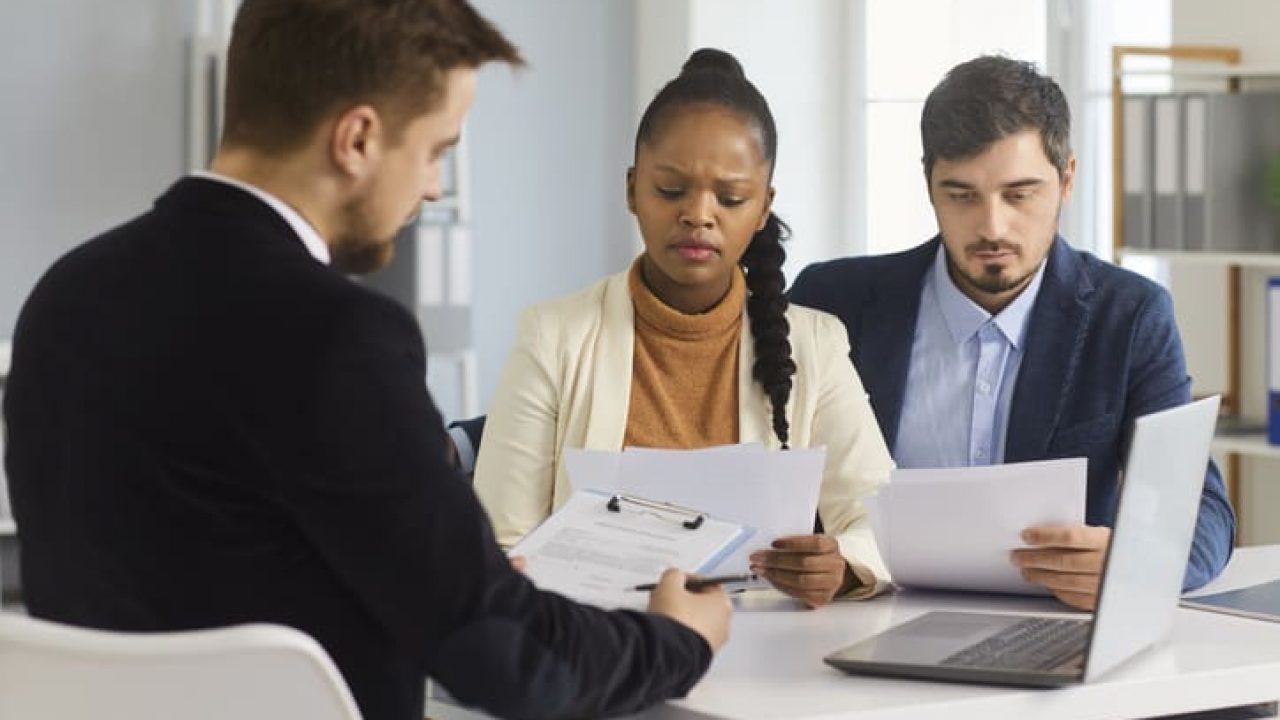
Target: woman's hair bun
(713,60)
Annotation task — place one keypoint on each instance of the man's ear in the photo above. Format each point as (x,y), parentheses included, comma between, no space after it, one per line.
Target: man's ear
(768,208)
(631,189)
(355,143)
(1069,179)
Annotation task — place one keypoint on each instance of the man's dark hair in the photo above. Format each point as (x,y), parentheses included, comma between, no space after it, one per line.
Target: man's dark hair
(292,62)
(990,98)
(714,77)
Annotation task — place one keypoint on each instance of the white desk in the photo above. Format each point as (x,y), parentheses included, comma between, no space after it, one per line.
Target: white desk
(772,665)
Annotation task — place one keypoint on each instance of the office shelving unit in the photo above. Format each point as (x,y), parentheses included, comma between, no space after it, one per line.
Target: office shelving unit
(1222,67)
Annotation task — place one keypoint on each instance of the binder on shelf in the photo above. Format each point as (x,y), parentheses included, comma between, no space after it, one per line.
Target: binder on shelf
(1195,153)
(1273,360)
(1166,176)
(1229,139)
(431,270)
(1137,171)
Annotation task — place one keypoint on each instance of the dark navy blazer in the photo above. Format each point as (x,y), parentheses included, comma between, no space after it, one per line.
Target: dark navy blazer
(1102,349)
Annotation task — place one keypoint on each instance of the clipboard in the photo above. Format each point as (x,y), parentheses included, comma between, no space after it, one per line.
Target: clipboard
(598,545)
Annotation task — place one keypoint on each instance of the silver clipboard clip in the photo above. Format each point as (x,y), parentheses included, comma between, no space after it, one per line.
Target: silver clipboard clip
(692,518)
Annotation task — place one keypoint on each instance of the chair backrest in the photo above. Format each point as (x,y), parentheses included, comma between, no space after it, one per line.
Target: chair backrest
(245,672)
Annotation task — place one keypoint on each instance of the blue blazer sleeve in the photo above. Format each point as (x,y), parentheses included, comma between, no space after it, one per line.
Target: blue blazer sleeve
(1159,380)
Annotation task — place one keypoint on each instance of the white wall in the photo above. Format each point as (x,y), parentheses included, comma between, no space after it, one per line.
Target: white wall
(1251,26)
(549,150)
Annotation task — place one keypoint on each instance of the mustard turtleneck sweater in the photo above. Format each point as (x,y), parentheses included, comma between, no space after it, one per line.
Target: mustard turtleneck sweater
(684,373)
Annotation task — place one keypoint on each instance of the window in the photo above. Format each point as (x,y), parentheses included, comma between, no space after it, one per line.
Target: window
(1137,22)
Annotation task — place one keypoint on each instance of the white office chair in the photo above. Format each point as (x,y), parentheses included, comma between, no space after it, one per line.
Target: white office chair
(247,672)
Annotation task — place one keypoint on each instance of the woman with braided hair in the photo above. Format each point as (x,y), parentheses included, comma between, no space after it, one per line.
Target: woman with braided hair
(660,355)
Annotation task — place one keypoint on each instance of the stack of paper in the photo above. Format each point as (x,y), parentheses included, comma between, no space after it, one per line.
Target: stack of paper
(954,528)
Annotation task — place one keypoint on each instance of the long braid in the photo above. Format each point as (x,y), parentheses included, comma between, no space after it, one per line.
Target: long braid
(766,311)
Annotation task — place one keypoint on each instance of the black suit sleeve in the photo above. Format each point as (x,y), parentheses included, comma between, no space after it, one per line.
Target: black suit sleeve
(408,538)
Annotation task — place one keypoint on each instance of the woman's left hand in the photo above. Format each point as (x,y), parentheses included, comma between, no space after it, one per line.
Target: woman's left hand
(809,568)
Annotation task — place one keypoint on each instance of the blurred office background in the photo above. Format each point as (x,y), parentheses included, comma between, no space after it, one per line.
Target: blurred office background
(106,103)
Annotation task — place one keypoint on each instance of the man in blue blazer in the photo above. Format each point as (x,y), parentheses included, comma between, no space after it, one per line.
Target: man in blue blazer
(996,341)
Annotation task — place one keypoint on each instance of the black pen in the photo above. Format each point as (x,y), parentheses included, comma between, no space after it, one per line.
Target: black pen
(697,583)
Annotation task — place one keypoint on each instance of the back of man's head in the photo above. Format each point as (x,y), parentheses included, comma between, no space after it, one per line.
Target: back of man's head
(291,63)
(987,99)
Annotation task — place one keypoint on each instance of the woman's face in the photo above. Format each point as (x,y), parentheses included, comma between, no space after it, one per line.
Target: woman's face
(699,191)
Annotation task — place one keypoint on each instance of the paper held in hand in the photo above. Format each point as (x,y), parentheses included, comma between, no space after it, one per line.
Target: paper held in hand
(954,528)
(774,492)
(598,546)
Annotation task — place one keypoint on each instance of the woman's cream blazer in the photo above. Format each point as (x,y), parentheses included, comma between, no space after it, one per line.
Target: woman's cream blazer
(568,384)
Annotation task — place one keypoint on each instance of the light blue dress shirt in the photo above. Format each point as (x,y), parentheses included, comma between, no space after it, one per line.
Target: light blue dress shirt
(964,365)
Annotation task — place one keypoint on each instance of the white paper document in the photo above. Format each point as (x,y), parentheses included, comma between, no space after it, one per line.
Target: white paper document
(773,492)
(954,528)
(597,547)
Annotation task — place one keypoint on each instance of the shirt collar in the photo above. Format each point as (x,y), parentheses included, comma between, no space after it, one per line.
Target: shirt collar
(305,231)
(964,317)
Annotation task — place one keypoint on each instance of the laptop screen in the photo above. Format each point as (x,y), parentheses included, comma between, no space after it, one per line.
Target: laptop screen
(1154,525)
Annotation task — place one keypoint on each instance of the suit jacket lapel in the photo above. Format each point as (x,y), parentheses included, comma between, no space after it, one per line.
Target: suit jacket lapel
(1055,340)
(882,349)
(610,396)
(755,414)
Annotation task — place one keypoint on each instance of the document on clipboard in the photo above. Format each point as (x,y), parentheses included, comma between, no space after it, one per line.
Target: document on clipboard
(774,493)
(598,546)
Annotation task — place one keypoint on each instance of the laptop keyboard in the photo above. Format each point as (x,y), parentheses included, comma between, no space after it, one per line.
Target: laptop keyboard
(1033,644)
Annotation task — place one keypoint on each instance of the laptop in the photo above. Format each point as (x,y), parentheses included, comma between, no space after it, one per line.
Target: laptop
(1141,583)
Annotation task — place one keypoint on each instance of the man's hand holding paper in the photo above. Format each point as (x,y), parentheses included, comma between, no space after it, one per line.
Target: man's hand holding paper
(956,528)
(1066,560)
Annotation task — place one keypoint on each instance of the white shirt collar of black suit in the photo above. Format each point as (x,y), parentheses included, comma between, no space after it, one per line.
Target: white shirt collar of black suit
(305,231)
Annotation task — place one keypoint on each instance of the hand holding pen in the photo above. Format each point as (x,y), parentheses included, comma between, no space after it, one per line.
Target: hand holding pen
(706,611)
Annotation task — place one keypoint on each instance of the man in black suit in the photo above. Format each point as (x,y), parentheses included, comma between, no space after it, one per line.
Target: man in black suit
(210,424)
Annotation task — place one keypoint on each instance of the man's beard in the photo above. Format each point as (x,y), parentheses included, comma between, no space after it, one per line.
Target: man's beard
(992,280)
(358,250)
(356,255)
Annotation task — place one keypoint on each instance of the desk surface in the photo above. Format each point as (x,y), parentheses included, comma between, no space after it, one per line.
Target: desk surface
(772,665)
